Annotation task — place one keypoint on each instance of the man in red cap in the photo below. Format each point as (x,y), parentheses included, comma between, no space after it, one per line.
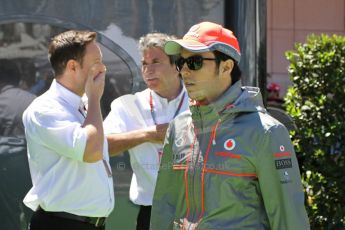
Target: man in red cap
(227,164)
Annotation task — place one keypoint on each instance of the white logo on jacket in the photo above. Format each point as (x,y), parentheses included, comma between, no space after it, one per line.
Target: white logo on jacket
(229,144)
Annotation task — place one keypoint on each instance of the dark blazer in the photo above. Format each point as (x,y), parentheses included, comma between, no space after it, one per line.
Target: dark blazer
(13,102)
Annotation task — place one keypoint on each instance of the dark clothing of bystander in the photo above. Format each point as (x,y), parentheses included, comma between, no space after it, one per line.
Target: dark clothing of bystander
(13,102)
(14,169)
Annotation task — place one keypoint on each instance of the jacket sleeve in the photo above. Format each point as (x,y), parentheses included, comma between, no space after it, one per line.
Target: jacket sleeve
(163,206)
(280,181)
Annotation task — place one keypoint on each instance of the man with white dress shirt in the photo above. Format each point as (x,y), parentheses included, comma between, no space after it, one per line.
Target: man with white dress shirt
(138,122)
(67,151)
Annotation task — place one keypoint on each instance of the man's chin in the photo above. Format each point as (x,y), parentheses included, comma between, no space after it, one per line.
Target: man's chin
(152,85)
(192,94)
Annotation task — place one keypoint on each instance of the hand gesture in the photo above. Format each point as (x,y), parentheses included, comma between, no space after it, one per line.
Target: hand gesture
(157,133)
(94,86)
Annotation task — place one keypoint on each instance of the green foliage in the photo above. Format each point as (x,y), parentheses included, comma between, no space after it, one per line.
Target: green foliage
(316,101)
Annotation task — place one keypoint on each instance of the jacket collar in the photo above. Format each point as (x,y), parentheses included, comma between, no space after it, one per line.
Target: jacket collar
(227,98)
(236,99)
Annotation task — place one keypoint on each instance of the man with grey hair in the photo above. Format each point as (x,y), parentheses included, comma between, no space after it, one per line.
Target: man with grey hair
(138,122)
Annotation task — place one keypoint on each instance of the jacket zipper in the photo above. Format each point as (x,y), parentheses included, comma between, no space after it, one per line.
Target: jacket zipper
(194,183)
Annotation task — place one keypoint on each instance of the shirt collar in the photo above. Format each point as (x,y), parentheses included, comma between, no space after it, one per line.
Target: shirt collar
(164,100)
(65,94)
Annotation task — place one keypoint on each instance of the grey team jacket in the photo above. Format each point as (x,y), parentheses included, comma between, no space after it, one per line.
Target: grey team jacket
(229,165)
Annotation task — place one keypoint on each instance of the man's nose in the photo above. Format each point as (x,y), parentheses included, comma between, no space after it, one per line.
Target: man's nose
(103,67)
(147,68)
(185,72)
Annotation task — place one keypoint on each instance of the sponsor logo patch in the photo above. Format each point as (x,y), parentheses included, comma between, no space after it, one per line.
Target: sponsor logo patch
(178,157)
(229,144)
(179,141)
(283,163)
(282,148)
(286,178)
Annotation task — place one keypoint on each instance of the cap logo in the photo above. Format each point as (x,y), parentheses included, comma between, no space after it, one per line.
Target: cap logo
(229,144)
(193,31)
(194,28)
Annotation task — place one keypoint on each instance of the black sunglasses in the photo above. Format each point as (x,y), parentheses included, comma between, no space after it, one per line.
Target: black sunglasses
(193,62)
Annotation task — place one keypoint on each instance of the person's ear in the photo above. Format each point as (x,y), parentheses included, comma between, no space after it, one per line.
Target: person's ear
(226,67)
(72,65)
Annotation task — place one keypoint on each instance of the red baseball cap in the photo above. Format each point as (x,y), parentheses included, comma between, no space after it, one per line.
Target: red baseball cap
(204,37)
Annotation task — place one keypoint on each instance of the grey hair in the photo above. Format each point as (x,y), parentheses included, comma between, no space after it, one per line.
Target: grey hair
(155,39)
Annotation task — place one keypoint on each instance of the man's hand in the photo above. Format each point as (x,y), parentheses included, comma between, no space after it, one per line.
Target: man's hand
(157,133)
(119,142)
(93,123)
(94,86)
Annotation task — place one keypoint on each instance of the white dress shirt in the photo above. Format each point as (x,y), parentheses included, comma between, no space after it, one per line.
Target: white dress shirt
(132,112)
(56,143)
